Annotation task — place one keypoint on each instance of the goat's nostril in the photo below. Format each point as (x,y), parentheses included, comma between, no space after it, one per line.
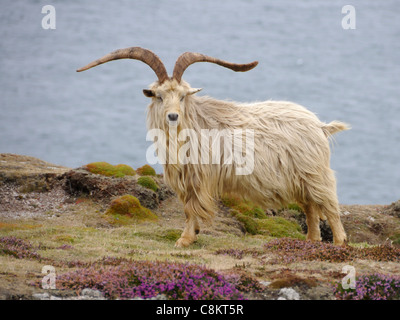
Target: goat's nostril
(173,116)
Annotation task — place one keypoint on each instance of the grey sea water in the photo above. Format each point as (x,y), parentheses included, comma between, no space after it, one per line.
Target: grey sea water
(49,111)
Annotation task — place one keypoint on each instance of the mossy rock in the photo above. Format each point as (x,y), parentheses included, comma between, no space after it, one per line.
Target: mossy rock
(146,170)
(109,170)
(245,207)
(127,209)
(279,227)
(148,182)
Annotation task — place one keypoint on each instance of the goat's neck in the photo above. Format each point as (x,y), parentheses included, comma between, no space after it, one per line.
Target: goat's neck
(207,113)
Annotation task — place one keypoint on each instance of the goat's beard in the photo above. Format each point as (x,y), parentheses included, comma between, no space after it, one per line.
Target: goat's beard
(172,123)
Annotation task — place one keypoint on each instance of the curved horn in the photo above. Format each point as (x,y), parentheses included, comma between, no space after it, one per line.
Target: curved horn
(188,58)
(137,53)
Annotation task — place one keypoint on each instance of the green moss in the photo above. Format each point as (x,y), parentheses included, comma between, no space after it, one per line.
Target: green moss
(109,170)
(245,207)
(269,226)
(127,209)
(255,212)
(103,168)
(148,183)
(146,170)
(249,223)
(125,169)
(279,227)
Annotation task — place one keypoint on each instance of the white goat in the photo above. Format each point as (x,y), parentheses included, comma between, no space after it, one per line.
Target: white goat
(291,148)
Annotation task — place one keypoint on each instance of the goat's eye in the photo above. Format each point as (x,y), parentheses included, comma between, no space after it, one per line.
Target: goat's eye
(182,98)
(159,98)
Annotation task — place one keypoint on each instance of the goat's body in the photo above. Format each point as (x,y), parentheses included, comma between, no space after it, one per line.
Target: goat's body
(291,161)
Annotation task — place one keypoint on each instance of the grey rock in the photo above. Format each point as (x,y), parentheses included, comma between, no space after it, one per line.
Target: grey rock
(159,297)
(91,294)
(41,296)
(288,294)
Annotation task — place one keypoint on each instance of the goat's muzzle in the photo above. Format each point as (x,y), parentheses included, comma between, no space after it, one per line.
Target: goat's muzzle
(173,117)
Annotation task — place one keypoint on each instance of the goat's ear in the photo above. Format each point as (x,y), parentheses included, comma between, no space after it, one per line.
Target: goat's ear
(194,90)
(148,93)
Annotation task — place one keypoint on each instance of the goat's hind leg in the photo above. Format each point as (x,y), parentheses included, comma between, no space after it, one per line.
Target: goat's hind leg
(332,214)
(325,205)
(312,220)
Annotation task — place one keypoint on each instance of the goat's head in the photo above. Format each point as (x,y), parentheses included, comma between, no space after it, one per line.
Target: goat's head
(168,93)
(168,100)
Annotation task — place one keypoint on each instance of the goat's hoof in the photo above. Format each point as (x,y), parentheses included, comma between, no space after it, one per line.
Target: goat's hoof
(340,242)
(183,242)
(314,238)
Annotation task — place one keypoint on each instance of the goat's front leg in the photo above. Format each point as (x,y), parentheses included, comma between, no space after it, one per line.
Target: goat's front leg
(192,228)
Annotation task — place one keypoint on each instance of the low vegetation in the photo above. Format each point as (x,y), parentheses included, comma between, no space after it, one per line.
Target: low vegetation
(127,279)
(371,287)
(117,245)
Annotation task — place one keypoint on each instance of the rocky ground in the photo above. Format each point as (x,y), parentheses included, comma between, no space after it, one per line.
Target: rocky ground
(52,215)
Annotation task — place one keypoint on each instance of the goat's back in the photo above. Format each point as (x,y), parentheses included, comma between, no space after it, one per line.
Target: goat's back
(291,155)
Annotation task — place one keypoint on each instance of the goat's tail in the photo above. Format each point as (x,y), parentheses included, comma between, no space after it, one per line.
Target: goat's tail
(334,127)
